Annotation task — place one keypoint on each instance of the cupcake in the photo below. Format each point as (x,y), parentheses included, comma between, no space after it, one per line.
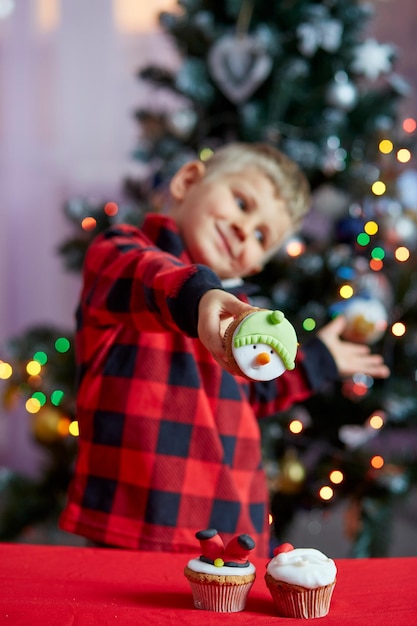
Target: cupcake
(221,577)
(261,344)
(301,581)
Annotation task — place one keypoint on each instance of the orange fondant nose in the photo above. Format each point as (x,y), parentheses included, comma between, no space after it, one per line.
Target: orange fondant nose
(263,358)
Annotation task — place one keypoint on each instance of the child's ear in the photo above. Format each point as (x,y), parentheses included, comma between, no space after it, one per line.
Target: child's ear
(187,175)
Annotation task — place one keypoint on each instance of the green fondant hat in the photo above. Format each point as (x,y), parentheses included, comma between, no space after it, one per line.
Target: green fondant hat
(271,328)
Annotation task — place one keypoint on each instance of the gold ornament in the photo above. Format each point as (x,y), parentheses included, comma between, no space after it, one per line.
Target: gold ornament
(45,425)
(292,473)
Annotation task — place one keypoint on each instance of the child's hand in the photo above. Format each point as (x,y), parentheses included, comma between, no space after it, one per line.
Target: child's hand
(216,311)
(351,358)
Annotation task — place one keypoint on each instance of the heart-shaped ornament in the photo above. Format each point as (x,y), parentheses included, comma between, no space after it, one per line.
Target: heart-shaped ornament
(239,64)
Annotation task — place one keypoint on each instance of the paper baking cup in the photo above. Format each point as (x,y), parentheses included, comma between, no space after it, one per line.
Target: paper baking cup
(299,602)
(222,598)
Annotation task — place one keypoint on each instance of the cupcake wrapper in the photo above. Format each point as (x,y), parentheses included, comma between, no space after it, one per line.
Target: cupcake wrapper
(301,603)
(220,598)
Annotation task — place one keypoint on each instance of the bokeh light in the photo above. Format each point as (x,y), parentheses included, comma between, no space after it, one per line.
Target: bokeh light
(363,239)
(402,254)
(309,324)
(371,228)
(295,427)
(377,462)
(33,368)
(73,429)
(32,405)
(62,344)
(41,357)
(56,397)
(403,155)
(386,146)
(326,493)
(6,370)
(295,247)
(111,209)
(346,291)
(336,477)
(376,421)
(409,125)
(88,223)
(379,188)
(398,329)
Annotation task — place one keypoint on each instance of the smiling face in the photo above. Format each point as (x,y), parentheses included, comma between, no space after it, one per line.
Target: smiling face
(229,221)
(259,361)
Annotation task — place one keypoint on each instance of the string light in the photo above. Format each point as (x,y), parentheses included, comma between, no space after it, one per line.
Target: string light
(402,254)
(346,291)
(111,209)
(379,188)
(376,421)
(336,477)
(62,344)
(409,125)
(363,239)
(378,253)
(206,153)
(386,146)
(326,493)
(32,405)
(398,329)
(56,397)
(296,427)
(295,247)
(33,368)
(371,228)
(88,223)
(40,396)
(403,155)
(41,357)
(377,462)
(6,370)
(376,265)
(73,429)
(309,324)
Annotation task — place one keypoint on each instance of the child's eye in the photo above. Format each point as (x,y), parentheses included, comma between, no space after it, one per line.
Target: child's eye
(259,236)
(241,202)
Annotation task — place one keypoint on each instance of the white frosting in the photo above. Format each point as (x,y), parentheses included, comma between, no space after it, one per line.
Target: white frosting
(246,358)
(206,568)
(306,567)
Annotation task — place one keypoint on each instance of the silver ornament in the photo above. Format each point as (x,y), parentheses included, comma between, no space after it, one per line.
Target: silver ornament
(239,64)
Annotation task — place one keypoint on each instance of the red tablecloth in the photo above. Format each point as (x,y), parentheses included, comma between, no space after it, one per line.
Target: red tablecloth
(65,586)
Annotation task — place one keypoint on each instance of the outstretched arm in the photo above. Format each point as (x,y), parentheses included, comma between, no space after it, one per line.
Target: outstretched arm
(351,358)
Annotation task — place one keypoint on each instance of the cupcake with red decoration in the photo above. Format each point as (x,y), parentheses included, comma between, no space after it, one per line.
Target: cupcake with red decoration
(301,581)
(222,576)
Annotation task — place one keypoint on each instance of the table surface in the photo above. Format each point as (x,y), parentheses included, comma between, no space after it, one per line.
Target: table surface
(67,586)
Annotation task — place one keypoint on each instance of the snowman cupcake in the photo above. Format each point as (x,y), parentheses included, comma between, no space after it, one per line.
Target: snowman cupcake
(261,345)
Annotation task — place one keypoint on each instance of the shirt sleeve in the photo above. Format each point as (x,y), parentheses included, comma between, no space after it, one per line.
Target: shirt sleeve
(315,368)
(129,280)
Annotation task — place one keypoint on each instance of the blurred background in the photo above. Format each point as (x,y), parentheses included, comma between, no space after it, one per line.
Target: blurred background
(100,101)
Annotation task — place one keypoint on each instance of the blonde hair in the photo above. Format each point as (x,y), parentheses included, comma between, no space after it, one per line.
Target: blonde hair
(289,181)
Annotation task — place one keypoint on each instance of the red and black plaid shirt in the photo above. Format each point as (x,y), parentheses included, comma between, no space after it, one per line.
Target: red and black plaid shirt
(169,442)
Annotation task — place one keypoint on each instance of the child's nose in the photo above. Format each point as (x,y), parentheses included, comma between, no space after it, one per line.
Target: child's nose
(244,228)
(262,358)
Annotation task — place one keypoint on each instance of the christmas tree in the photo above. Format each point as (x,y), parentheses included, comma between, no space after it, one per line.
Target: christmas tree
(301,75)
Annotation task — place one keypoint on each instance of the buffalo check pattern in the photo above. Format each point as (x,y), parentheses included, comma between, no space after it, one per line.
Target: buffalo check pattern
(169,442)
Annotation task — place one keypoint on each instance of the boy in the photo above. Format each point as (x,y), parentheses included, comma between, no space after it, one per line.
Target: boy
(169,442)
